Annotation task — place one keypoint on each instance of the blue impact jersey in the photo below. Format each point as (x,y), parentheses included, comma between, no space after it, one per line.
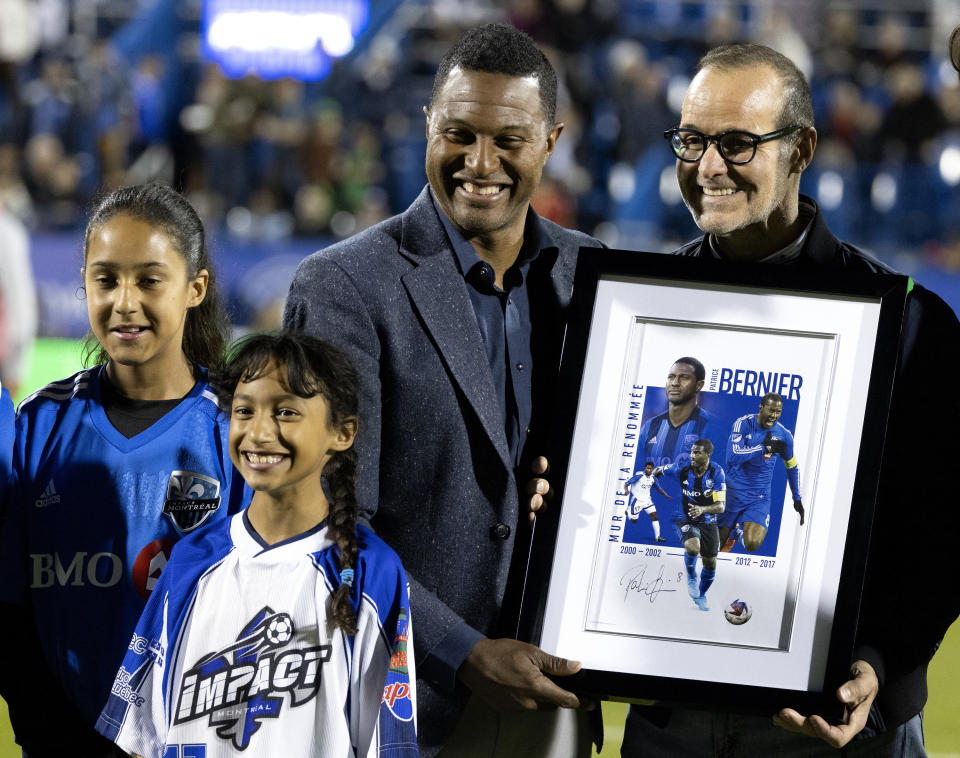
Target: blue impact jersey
(93,517)
(708,488)
(663,443)
(236,653)
(749,471)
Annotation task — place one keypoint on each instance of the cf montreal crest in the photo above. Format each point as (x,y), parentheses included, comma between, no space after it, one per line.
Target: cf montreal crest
(191,498)
(237,687)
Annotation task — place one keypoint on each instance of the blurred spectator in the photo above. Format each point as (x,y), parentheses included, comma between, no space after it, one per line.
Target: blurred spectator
(14,194)
(639,94)
(914,117)
(18,301)
(279,159)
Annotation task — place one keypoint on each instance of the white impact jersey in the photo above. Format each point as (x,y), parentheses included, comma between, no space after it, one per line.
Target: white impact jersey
(640,486)
(236,654)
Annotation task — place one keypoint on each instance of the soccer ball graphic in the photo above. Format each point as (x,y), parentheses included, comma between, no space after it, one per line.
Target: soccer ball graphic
(738,612)
(280,629)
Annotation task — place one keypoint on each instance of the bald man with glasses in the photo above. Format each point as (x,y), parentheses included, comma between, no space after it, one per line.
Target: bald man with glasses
(745,137)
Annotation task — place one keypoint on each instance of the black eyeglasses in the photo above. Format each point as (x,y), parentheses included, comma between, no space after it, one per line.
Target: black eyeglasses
(735,146)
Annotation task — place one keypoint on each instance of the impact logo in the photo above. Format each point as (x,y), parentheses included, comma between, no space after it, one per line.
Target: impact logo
(244,683)
(191,498)
(396,692)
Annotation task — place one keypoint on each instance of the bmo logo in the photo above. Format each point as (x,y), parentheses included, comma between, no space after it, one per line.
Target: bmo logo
(100,569)
(78,570)
(148,565)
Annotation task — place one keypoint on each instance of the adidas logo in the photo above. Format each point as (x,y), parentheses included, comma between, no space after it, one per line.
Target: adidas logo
(49,496)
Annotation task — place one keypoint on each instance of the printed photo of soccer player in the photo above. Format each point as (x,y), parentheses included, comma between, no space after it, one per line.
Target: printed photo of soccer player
(638,488)
(756,441)
(677,421)
(703,486)
(669,435)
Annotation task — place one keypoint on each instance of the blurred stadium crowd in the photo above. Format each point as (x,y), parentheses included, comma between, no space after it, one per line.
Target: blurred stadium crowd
(97,94)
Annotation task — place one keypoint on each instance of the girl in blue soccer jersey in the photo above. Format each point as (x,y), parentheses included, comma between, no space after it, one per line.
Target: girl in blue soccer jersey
(111,466)
(285,630)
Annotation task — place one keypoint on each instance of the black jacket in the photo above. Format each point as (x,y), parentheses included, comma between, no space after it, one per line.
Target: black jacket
(909,599)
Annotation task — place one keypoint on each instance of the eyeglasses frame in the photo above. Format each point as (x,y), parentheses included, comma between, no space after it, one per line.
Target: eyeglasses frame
(755,139)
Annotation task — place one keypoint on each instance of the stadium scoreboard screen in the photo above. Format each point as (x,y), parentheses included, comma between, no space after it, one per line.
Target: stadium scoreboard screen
(281,38)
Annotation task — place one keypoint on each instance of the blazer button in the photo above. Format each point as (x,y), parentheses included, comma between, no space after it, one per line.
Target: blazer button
(500,531)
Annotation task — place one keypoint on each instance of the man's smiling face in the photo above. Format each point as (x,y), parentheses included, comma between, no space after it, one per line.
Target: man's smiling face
(727,200)
(487,144)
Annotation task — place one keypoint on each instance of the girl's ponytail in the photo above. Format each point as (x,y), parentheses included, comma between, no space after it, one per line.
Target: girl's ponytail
(341,475)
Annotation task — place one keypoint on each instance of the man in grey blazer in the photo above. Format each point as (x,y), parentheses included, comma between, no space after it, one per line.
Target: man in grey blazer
(453,312)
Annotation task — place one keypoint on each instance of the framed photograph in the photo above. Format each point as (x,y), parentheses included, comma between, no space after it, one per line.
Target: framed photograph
(720,430)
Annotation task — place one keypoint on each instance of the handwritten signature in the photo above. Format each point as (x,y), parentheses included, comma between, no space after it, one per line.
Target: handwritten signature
(635,580)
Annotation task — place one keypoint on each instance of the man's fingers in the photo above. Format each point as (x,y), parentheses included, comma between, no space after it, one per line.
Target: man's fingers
(538,486)
(536,503)
(548,691)
(852,692)
(812,726)
(789,719)
(540,466)
(552,664)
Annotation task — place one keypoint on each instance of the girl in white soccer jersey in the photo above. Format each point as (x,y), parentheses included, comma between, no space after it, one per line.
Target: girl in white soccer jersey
(283,632)
(111,467)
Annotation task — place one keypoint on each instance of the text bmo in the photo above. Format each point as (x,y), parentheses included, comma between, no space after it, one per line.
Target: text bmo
(80,570)
(746,382)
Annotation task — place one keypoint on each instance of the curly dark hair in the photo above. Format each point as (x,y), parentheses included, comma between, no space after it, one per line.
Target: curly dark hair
(501,49)
(312,367)
(206,328)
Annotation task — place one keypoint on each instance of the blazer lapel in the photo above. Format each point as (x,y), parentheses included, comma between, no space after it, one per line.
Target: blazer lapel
(439,294)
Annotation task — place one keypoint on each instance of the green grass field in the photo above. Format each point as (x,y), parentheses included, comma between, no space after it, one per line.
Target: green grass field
(54,359)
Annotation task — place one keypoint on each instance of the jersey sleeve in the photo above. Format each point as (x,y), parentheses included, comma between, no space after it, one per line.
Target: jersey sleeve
(793,470)
(135,714)
(13,527)
(673,471)
(740,449)
(720,486)
(383,675)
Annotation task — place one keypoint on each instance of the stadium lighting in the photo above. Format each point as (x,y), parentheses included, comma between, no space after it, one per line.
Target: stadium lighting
(622,182)
(669,189)
(883,192)
(265,31)
(950,165)
(279,38)
(830,190)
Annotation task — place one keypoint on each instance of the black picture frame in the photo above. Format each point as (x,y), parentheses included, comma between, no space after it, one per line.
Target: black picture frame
(622,658)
